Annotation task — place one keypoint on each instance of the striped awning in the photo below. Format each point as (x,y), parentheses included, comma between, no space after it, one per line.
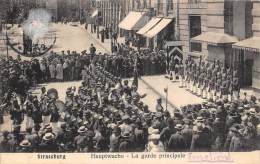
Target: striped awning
(133,21)
(149,25)
(215,38)
(250,44)
(158,28)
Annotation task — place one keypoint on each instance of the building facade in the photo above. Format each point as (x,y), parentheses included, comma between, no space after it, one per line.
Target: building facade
(207,29)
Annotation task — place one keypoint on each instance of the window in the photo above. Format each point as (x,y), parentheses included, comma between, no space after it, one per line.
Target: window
(169,32)
(228,17)
(170,7)
(195,30)
(249,19)
(160,7)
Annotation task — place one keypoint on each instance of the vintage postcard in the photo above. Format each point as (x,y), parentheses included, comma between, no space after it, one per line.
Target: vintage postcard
(131,81)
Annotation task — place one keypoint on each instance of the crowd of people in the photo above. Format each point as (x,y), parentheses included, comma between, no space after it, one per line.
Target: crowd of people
(71,65)
(107,114)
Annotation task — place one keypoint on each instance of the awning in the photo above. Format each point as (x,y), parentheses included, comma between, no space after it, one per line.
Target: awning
(250,44)
(95,13)
(157,28)
(133,21)
(215,38)
(149,25)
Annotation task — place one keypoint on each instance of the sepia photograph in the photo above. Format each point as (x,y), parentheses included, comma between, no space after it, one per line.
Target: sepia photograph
(130,76)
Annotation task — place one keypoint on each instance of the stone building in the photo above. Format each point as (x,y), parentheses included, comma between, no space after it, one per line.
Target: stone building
(224,30)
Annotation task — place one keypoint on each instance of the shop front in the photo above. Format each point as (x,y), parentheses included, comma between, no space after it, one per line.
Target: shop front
(133,22)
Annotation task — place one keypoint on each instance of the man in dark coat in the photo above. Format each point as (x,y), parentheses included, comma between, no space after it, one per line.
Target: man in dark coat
(81,140)
(4,144)
(237,143)
(177,142)
(126,143)
(167,132)
(114,139)
(48,143)
(200,141)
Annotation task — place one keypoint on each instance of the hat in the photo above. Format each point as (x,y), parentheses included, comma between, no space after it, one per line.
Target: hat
(125,117)
(25,143)
(82,129)
(53,91)
(48,136)
(125,134)
(179,127)
(247,106)
(153,131)
(154,137)
(244,118)
(48,127)
(199,119)
(158,114)
(252,111)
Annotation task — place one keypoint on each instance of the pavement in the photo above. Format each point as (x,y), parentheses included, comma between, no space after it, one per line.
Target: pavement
(74,38)
(107,42)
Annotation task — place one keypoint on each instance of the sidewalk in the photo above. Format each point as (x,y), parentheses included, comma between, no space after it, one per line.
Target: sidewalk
(107,42)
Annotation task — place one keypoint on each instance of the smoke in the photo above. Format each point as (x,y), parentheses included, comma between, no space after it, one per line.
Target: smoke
(37,24)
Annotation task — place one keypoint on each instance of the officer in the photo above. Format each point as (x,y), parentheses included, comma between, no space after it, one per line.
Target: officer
(182,75)
(235,88)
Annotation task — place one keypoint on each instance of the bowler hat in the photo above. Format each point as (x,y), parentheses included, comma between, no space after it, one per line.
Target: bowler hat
(179,127)
(82,129)
(25,143)
(48,137)
(126,134)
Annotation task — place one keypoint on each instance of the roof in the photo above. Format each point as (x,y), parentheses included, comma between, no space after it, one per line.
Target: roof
(215,38)
(252,44)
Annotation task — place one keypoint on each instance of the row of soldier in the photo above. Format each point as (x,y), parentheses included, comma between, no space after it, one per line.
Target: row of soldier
(209,80)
